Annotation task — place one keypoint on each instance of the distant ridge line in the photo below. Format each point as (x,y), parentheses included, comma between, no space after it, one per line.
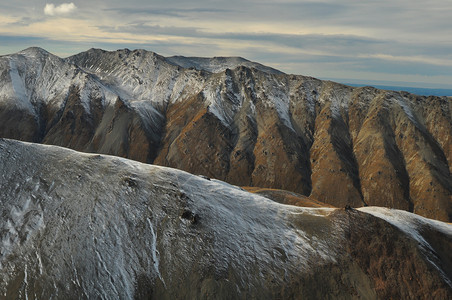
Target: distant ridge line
(414,90)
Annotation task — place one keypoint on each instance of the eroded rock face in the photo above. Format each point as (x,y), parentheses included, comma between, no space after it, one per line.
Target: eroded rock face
(80,225)
(248,125)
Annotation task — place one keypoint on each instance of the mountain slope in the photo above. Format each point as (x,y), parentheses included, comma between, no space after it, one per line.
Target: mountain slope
(92,226)
(247,125)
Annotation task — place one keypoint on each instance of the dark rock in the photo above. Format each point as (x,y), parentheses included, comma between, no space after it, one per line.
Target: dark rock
(190,216)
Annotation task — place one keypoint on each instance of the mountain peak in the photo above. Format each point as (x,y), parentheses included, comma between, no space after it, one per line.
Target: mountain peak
(110,56)
(35,51)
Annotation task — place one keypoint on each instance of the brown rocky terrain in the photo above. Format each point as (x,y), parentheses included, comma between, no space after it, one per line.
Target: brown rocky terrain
(78,225)
(244,124)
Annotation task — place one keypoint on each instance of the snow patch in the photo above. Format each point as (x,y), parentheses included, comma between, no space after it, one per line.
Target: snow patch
(155,253)
(22,222)
(212,94)
(403,103)
(275,94)
(20,91)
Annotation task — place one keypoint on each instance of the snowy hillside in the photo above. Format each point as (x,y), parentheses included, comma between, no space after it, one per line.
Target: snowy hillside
(93,226)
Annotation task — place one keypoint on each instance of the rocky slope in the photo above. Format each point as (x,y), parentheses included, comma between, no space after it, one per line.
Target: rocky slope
(237,121)
(92,226)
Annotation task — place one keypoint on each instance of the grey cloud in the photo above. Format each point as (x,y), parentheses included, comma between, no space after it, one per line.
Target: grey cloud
(303,10)
(397,67)
(172,12)
(24,40)
(310,41)
(292,40)
(143,28)
(26,21)
(7,6)
(239,10)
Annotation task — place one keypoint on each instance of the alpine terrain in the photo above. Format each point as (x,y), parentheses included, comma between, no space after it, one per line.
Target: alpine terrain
(89,226)
(239,122)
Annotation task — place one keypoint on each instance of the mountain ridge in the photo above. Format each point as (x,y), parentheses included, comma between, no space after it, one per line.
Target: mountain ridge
(116,228)
(334,143)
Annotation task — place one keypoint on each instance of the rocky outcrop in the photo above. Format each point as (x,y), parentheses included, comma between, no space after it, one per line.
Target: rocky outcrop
(237,121)
(80,225)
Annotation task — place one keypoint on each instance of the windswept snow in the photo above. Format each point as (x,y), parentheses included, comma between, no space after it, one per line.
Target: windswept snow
(408,222)
(99,226)
(120,218)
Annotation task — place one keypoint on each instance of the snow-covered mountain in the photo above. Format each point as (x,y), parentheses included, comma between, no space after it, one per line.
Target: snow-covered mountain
(89,226)
(218,64)
(237,121)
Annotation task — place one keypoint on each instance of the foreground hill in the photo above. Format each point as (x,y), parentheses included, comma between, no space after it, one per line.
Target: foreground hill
(91,226)
(237,121)
(286,197)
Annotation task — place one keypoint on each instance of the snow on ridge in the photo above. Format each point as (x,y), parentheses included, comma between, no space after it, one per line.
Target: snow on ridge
(35,53)
(187,84)
(38,76)
(218,64)
(411,224)
(339,95)
(407,222)
(194,62)
(253,216)
(134,75)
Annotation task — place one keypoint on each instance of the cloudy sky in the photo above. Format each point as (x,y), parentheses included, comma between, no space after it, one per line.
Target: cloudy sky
(371,40)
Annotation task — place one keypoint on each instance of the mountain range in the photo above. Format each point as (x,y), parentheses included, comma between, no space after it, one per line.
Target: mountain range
(239,122)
